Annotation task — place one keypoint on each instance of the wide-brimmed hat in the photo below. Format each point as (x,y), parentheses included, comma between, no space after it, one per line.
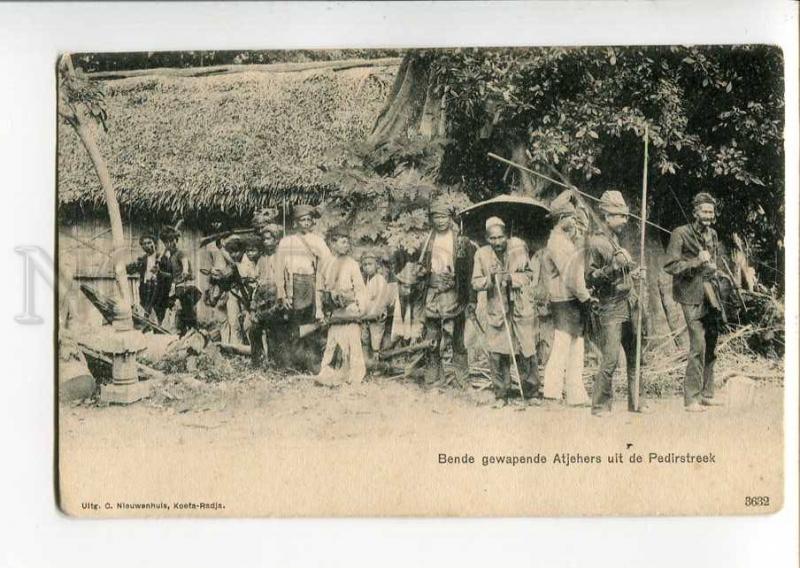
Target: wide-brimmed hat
(613,203)
(562,205)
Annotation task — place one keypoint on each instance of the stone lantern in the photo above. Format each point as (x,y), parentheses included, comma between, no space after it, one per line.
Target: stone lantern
(121,346)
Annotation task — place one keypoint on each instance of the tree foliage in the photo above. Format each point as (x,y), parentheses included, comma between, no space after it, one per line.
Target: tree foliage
(714,114)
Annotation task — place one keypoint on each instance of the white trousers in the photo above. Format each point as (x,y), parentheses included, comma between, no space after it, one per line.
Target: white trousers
(564,369)
(353,369)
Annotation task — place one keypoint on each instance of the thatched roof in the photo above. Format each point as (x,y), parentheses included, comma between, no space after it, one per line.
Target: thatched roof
(185,146)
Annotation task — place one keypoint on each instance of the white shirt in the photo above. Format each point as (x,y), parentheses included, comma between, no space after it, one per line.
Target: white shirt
(150,262)
(442,253)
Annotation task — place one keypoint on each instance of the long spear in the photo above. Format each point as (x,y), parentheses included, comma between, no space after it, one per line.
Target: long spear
(637,376)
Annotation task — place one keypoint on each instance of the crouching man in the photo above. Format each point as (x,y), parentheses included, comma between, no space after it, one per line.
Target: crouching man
(501,270)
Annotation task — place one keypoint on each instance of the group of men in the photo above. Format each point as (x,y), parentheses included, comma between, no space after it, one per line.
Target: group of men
(419,305)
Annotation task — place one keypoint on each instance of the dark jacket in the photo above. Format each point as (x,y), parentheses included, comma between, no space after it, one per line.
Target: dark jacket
(688,273)
(153,293)
(610,282)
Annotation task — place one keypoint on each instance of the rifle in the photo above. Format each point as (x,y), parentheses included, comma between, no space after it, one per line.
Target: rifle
(414,348)
(309,328)
(218,236)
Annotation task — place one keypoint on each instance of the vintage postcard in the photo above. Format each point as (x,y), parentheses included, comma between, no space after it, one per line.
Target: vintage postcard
(397,282)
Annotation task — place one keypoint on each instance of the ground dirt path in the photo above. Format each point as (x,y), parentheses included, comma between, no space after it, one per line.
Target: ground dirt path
(294,448)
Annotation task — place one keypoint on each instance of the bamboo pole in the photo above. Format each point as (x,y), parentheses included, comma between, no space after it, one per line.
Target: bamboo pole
(572,187)
(639,312)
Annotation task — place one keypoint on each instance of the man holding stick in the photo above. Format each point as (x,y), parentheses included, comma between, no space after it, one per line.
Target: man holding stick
(501,270)
(691,260)
(612,273)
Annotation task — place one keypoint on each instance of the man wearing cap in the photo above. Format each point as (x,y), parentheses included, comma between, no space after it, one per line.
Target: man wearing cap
(153,293)
(501,270)
(300,256)
(446,264)
(175,267)
(267,317)
(612,274)
(692,261)
(562,264)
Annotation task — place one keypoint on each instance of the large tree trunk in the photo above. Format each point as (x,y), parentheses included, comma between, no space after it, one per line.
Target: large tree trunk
(412,106)
(81,123)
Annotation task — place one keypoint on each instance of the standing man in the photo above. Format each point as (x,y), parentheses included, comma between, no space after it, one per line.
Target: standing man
(446,264)
(503,264)
(563,263)
(267,317)
(152,292)
(611,272)
(377,302)
(176,268)
(344,295)
(301,256)
(692,261)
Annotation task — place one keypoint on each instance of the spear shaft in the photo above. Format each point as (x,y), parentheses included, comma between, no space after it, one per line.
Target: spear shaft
(642,282)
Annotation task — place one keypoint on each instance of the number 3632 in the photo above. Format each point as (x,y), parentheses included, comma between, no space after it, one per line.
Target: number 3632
(756,501)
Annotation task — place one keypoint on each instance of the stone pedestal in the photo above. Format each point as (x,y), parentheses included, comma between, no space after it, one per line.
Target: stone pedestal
(124,394)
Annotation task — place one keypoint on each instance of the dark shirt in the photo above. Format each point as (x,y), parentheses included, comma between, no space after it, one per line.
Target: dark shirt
(688,273)
(611,283)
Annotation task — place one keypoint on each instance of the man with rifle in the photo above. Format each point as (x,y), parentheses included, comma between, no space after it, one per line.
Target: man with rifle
(268,319)
(153,293)
(446,263)
(692,261)
(301,256)
(611,272)
(501,270)
(175,267)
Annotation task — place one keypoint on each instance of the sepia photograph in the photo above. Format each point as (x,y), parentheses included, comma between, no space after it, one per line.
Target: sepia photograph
(455,282)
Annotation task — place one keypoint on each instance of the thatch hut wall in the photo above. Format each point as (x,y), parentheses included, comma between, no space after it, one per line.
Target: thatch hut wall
(204,149)
(83,259)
